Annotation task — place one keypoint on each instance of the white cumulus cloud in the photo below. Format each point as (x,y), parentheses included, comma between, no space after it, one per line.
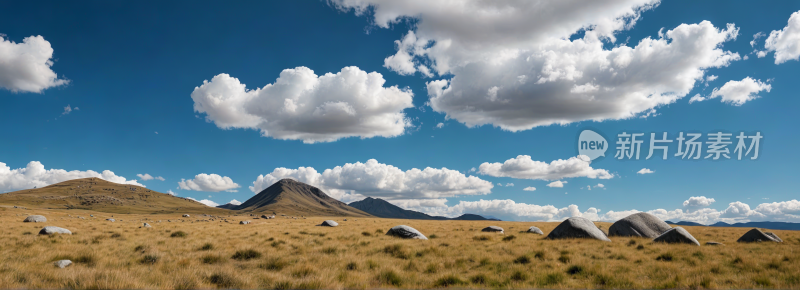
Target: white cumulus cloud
(301,105)
(697,202)
(209,182)
(35,175)
(529,188)
(146,177)
(645,171)
(557,183)
(514,66)
(26,66)
(785,42)
(739,92)
(235,202)
(523,167)
(354,181)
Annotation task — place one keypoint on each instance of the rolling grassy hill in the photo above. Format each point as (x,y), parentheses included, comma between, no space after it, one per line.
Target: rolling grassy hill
(96,194)
(295,198)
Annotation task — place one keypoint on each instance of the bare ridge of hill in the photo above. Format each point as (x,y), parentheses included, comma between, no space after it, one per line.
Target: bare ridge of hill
(104,196)
(381,208)
(295,198)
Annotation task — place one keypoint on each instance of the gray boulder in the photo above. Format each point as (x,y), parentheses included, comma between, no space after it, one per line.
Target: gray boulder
(146,225)
(676,235)
(406,232)
(244,222)
(535,230)
(51,230)
(328,223)
(35,219)
(638,225)
(63,263)
(111,220)
(186,215)
(493,229)
(756,235)
(577,227)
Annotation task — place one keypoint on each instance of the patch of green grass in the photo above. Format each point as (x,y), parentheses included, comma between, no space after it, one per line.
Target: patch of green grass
(552,279)
(206,247)
(246,255)
(366,234)
(390,277)
(482,238)
(539,255)
(330,250)
(449,280)
(211,259)
(480,279)
(86,259)
(763,281)
(179,234)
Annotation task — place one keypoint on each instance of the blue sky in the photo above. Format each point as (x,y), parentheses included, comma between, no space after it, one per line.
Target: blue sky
(133,75)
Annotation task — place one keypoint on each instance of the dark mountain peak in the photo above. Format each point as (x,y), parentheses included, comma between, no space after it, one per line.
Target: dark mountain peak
(294,197)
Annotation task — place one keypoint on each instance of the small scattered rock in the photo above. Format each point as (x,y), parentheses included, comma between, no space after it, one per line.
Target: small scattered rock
(329,223)
(406,232)
(535,230)
(51,230)
(146,225)
(63,263)
(186,215)
(35,219)
(111,220)
(244,222)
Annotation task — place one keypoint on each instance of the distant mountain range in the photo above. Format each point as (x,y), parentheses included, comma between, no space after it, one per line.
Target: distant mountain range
(381,208)
(763,225)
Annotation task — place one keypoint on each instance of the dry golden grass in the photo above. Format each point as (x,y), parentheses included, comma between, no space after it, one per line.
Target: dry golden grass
(288,253)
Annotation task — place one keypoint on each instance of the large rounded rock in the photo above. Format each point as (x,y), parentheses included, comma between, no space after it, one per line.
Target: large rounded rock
(638,225)
(54,230)
(676,235)
(756,235)
(493,229)
(62,263)
(535,230)
(577,227)
(405,232)
(328,223)
(774,237)
(35,219)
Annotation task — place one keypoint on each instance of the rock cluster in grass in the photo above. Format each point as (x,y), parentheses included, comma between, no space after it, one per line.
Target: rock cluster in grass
(244,222)
(35,219)
(638,225)
(405,232)
(577,227)
(677,235)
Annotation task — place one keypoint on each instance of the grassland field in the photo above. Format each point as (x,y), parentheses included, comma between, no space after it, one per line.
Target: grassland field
(201,252)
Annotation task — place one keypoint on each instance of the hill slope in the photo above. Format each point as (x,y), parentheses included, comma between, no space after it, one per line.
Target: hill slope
(763,225)
(381,208)
(100,195)
(295,198)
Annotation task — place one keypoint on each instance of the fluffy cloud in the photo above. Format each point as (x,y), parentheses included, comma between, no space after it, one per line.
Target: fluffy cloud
(697,202)
(235,202)
(514,66)
(353,181)
(170,192)
(510,210)
(25,67)
(529,188)
(558,183)
(35,175)
(736,92)
(208,182)
(786,42)
(146,177)
(523,167)
(68,109)
(208,203)
(303,106)
(645,171)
